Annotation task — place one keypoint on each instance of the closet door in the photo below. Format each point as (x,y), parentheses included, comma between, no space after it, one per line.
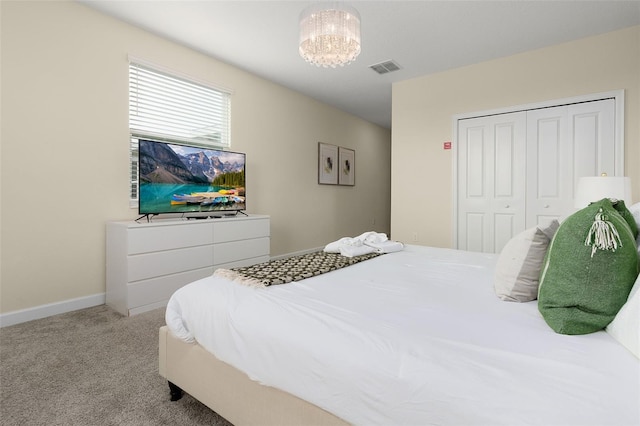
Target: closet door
(491,180)
(549,192)
(592,136)
(565,143)
(516,170)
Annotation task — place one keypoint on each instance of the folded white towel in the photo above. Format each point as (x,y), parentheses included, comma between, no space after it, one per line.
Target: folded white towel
(334,247)
(351,245)
(372,237)
(387,246)
(352,251)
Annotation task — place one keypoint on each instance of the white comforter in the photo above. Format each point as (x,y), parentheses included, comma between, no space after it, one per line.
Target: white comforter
(415,337)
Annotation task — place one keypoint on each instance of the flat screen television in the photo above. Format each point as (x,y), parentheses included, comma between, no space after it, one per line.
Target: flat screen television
(176,178)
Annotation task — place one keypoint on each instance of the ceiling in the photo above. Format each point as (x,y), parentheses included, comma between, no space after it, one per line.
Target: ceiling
(423,37)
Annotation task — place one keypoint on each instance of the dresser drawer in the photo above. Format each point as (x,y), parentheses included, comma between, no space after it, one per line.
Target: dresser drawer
(240,250)
(158,238)
(149,265)
(240,230)
(160,289)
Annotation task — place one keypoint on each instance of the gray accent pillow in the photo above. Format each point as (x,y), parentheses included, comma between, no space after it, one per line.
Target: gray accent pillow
(518,268)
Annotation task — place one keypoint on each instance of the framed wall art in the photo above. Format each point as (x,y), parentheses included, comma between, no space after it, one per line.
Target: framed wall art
(327,164)
(347,166)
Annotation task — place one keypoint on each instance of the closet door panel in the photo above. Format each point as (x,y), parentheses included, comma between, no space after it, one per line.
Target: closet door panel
(550,133)
(504,156)
(473,187)
(509,180)
(592,136)
(504,230)
(585,143)
(473,224)
(490,195)
(548,165)
(475,148)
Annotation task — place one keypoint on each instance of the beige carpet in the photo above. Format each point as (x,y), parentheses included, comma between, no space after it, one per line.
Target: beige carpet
(90,367)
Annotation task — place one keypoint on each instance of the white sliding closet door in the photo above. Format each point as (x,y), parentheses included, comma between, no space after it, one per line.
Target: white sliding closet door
(516,170)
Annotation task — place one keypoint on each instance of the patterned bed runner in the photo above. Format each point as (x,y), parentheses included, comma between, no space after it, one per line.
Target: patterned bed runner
(294,268)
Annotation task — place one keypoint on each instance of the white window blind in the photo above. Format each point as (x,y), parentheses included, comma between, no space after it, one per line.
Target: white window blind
(170,107)
(176,109)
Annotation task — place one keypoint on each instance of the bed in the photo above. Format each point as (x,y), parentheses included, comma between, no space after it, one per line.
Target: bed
(415,337)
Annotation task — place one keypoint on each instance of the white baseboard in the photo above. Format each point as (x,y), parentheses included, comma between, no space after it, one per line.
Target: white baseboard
(43,311)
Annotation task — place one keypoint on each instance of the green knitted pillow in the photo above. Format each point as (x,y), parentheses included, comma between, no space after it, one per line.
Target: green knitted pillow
(588,271)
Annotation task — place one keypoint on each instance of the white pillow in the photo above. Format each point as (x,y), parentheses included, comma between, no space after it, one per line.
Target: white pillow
(625,327)
(635,212)
(518,268)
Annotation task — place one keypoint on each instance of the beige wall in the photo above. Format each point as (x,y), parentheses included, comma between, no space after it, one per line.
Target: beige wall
(65,159)
(421,202)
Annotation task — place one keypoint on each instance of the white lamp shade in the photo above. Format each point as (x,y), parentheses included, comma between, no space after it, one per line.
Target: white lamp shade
(595,188)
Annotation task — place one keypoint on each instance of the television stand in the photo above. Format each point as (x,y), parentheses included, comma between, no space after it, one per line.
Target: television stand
(148,216)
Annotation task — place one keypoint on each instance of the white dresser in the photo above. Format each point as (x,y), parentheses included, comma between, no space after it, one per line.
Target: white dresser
(147,262)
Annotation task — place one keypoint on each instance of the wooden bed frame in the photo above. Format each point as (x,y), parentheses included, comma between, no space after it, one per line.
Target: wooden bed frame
(230,392)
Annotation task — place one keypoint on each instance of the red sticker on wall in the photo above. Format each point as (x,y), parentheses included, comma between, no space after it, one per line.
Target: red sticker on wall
(447,145)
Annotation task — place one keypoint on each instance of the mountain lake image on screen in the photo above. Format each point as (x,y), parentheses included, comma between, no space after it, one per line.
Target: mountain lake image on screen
(175,178)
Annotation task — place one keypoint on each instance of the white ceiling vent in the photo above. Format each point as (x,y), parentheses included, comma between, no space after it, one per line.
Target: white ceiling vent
(385,67)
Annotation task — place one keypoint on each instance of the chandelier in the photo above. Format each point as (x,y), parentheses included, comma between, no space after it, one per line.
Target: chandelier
(329,35)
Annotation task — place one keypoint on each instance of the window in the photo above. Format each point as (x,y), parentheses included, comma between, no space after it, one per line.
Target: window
(171,108)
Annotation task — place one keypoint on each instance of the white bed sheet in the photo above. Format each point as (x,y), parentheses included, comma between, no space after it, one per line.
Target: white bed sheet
(416,337)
